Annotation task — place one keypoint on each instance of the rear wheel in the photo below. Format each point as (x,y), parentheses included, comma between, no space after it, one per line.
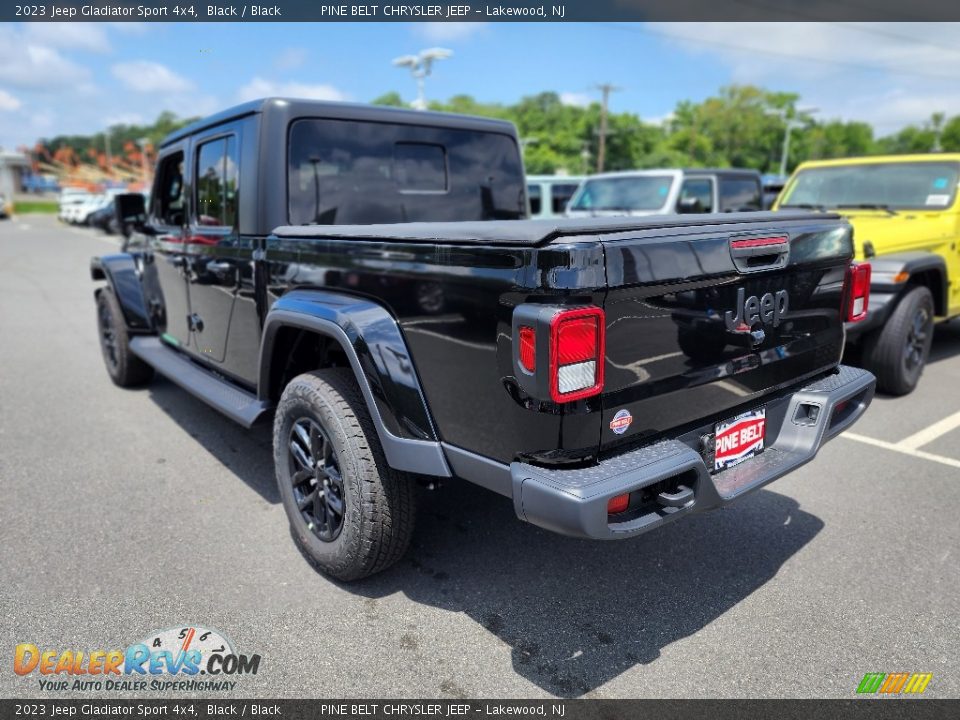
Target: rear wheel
(124,368)
(897,352)
(349,512)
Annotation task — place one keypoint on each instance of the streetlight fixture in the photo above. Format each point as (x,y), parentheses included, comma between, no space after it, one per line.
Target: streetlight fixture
(420,66)
(791,121)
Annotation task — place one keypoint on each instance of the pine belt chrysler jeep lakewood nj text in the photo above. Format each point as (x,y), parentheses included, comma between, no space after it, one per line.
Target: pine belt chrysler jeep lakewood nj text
(365,276)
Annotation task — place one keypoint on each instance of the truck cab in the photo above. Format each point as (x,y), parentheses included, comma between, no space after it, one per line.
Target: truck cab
(222,184)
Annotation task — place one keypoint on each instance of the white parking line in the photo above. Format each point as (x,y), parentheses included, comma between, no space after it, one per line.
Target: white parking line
(902,449)
(931,433)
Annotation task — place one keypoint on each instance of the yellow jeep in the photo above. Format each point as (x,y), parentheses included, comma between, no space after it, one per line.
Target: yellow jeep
(906,218)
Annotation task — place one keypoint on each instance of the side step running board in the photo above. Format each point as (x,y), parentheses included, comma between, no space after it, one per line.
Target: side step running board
(237,404)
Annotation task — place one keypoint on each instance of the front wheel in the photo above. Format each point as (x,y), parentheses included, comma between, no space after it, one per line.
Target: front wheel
(897,352)
(124,368)
(349,512)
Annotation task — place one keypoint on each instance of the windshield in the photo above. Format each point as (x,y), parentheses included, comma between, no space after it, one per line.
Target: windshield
(635,192)
(917,185)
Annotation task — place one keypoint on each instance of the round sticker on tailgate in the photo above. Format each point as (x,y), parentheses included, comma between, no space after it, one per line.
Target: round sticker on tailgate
(621,421)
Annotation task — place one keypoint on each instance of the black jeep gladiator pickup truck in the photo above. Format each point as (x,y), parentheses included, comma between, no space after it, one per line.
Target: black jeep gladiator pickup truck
(364,275)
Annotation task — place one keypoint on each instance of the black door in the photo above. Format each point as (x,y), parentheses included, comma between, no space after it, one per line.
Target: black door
(212,245)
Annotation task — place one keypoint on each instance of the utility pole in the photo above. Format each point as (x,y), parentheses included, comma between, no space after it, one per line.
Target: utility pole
(605,89)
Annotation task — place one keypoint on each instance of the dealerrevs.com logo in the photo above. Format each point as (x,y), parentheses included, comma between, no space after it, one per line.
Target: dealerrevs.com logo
(185,659)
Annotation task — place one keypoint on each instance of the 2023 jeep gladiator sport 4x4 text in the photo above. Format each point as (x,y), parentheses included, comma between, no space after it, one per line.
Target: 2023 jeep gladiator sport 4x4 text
(607,374)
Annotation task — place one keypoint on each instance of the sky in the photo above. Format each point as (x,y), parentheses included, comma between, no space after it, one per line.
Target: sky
(78,78)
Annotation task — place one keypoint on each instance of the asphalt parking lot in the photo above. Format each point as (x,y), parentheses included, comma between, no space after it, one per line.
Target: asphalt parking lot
(125,512)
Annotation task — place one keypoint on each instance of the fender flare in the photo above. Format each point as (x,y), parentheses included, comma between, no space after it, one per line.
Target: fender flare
(122,275)
(886,267)
(371,340)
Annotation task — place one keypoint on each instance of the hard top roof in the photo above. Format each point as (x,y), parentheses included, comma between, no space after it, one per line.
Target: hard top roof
(293,107)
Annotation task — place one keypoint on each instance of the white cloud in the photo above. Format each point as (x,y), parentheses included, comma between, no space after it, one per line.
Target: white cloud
(8,103)
(448,31)
(123,118)
(889,75)
(150,77)
(577,99)
(28,64)
(660,120)
(68,36)
(259,88)
(290,59)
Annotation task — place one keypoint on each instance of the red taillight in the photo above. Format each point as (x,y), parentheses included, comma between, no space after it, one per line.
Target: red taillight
(576,354)
(528,348)
(618,504)
(857,291)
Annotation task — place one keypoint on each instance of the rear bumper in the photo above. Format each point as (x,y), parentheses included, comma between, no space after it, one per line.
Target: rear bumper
(670,478)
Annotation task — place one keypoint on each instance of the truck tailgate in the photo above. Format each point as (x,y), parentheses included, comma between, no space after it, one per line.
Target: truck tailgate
(703,321)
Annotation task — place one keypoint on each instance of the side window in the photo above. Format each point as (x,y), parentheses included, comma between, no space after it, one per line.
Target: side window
(216,183)
(560,195)
(739,194)
(533,192)
(698,192)
(168,194)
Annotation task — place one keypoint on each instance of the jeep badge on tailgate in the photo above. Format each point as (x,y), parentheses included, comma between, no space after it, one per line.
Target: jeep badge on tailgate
(768,308)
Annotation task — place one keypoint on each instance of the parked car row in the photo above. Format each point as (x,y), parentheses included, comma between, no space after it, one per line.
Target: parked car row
(637,193)
(80,207)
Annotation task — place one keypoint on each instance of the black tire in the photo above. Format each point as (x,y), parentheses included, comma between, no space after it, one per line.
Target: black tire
(377,504)
(123,367)
(897,352)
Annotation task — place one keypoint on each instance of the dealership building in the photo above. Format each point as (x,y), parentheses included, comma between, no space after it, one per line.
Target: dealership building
(13,168)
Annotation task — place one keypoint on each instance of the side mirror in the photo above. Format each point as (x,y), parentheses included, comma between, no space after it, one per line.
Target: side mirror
(131,212)
(688,206)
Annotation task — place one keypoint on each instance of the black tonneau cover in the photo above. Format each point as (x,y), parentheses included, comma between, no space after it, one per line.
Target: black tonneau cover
(532,232)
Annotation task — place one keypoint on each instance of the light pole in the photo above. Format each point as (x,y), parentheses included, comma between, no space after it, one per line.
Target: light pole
(605,90)
(791,121)
(420,66)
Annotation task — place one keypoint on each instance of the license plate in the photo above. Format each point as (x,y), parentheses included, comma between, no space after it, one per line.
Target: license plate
(739,438)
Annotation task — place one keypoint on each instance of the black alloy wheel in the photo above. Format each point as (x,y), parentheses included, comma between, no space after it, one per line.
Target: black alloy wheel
(317,483)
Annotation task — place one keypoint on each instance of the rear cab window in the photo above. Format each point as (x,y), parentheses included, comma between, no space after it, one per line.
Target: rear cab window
(360,172)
